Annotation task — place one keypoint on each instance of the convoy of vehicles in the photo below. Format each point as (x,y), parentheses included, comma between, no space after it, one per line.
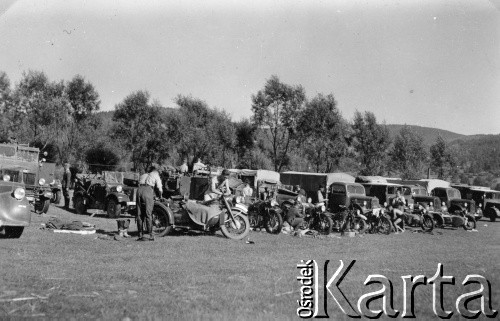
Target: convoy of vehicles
(350,204)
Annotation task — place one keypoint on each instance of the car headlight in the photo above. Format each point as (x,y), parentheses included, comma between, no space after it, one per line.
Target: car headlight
(41,181)
(274,203)
(364,203)
(385,204)
(119,188)
(323,208)
(465,204)
(19,193)
(53,182)
(480,205)
(6,178)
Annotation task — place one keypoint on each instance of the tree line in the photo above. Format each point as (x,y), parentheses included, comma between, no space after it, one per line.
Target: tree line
(287,131)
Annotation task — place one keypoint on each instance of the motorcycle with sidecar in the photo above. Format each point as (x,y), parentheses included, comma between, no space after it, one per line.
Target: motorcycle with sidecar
(218,214)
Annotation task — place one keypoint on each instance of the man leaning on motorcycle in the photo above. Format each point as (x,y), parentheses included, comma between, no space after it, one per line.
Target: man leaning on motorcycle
(218,186)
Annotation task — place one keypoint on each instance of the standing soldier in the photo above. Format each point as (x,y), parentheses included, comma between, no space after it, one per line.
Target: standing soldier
(145,201)
(66,184)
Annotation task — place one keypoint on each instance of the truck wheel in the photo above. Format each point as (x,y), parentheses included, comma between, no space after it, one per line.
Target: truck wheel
(113,209)
(56,199)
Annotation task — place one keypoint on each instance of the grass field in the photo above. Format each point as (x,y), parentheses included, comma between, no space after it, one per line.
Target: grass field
(202,277)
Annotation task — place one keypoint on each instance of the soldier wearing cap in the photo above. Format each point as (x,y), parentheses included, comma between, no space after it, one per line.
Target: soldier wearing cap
(219,186)
(145,201)
(66,184)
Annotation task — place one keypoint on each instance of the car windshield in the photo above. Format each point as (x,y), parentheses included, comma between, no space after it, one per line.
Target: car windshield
(454,193)
(356,189)
(419,191)
(29,178)
(493,195)
(14,174)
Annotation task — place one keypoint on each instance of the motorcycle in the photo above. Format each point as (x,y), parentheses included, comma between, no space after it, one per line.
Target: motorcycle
(353,220)
(378,222)
(419,217)
(459,217)
(317,218)
(180,215)
(266,214)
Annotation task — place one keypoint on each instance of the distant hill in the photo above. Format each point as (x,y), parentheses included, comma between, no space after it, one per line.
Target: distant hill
(429,134)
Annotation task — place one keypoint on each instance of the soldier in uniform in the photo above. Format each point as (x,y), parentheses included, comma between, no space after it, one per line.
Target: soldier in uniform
(66,184)
(145,201)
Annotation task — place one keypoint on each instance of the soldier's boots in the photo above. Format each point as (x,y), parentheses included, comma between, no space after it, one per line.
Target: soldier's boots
(123,225)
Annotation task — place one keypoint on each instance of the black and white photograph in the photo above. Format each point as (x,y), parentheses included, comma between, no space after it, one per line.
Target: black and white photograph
(249,160)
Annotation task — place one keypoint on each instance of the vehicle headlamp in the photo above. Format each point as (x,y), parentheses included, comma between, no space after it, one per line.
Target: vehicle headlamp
(6,178)
(53,182)
(323,208)
(364,203)
(465,204)
(442,204)
(119,188)
(385,204)
(41,181)
(358,212)
(411,206)
(309,200)
(239,199)
(480,205)
(274,203)
(19,193)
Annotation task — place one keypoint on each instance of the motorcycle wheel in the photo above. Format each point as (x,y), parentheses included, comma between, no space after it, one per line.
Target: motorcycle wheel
(438,221)
(113,209)
(360,225)
(274,223)
(384,226)
(235,231)
(324,225)
(427,223)
(79,205)
(470,224)
(160,217)
(42,206)
(56,199)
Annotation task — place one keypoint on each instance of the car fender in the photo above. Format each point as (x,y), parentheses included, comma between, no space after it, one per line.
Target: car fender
(492,211)
(118,197)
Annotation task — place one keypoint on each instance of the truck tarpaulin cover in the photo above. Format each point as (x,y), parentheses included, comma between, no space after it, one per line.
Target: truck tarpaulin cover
(118,177)
(311,181)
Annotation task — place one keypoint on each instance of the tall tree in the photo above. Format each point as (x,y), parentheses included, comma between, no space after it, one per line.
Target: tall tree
(207,133)
(41,110)
(5,103)
(276,110)
(441,157)
(322,133)
(409,154)
(370,142)
(141,129)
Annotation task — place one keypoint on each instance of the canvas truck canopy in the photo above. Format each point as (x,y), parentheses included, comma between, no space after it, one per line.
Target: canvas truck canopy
(371,179)
(253,176)
(311,181)
(119,177)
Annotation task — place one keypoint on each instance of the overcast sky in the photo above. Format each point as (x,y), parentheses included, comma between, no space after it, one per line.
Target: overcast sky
(431,63)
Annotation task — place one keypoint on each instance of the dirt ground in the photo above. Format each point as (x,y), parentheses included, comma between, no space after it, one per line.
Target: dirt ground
(46,275)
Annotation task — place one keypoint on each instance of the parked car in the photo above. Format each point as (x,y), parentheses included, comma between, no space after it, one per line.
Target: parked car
(114,192)
(454,202)
(486,198)
(15,212)
(310,182)
(383,190)
(24,160)
(345,195)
